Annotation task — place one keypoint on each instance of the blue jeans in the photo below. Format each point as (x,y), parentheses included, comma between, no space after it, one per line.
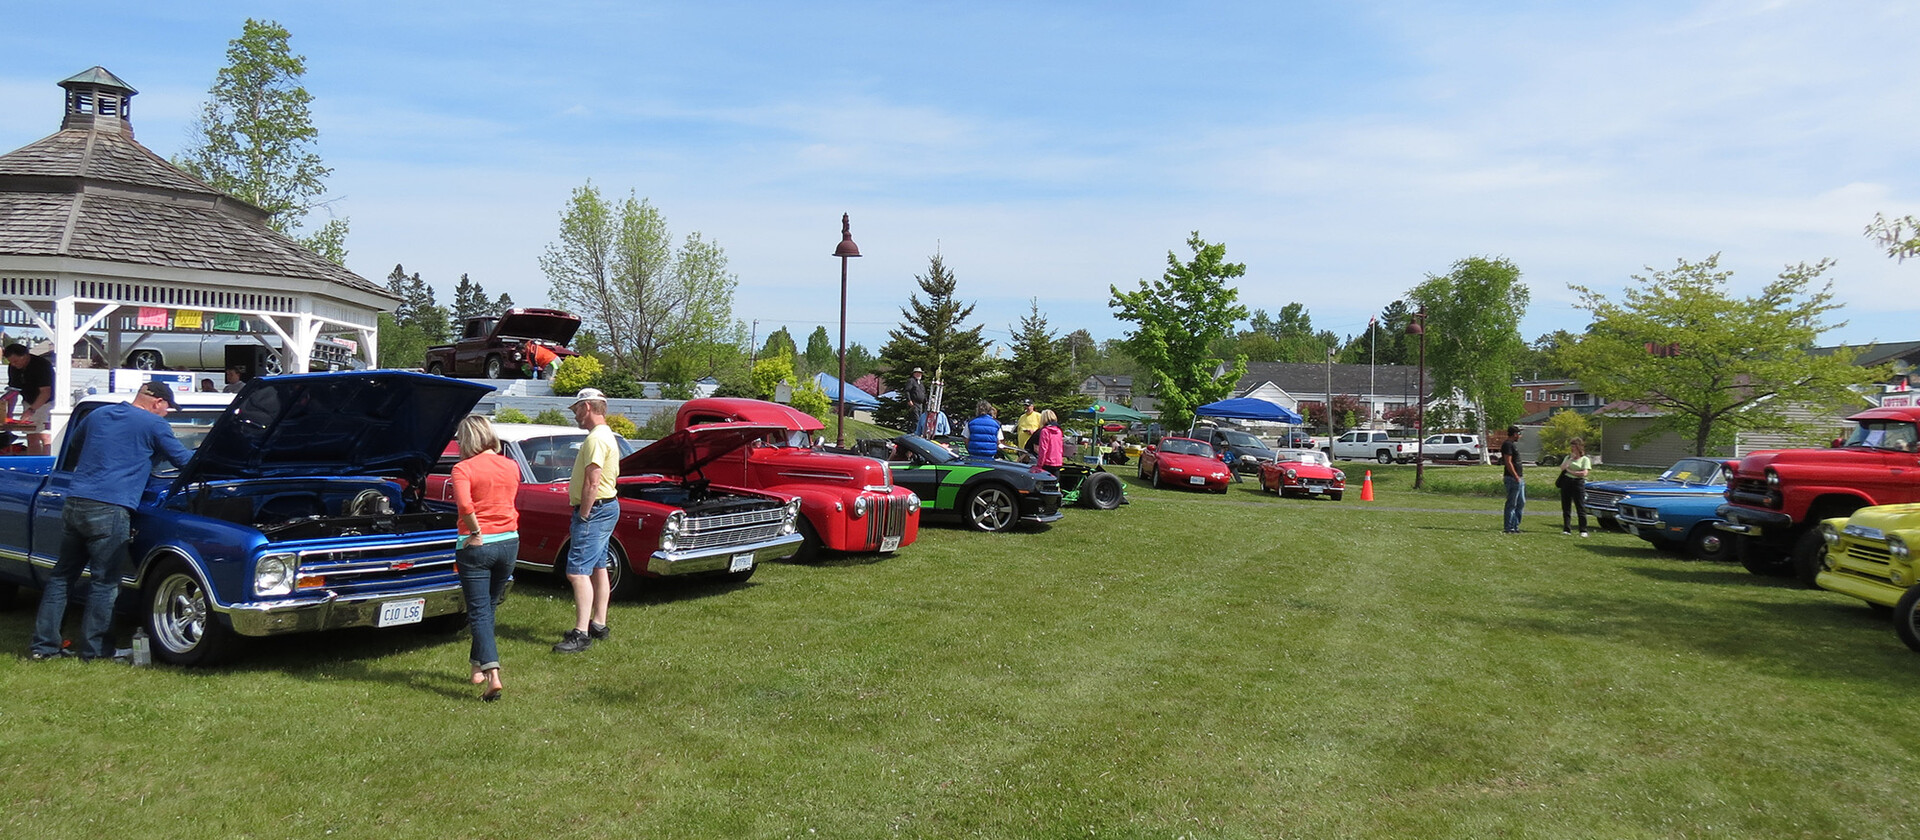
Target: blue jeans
(1516,501)
(94,539)
(485,571)
(587,540)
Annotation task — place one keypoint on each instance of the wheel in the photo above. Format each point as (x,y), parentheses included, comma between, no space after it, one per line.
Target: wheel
(1809,558)
(1759,560)
(1906,618)
(1705,543)
(1335,494)
(270,365)
(992,508)
(1155,480)
(494,367)
(731,578)
(1383,456)
(809,549)
(9,592)
(144,360)
(181,621)
(435,369)
(1101,491)
(622,583)
(1462,455)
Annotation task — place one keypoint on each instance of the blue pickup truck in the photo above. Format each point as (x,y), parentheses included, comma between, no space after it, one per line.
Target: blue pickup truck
(302,509)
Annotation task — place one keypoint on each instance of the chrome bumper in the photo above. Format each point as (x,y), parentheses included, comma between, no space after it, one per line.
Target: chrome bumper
(328,611)
(668,563)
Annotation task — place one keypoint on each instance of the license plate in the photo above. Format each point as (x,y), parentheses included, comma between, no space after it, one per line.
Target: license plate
(741,562)
(889,543)
(402,612)
(1196,479)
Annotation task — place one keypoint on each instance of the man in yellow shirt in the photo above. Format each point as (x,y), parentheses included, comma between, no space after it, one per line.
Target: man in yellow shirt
(596,506)
(1028,423)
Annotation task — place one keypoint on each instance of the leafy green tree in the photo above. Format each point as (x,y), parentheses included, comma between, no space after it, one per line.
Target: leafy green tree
(769,372)
(255,137)
(1712,364)
(820,355)
(860,360)
(933,335)
(778,343)
(810,398)
(1566,425)
(1541,359)
(1473,335)
(1039,368)
(1177,319)
(1901,237)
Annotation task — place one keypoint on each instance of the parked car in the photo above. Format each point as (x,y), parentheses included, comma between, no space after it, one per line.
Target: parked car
(1869,555)
(1679,524)
(1296,439)
(1373,445)
(673,522)
(1090,485)
(1451,446)
(1702,477)
(984,494)
(299,512)
(1183,462)
(1241,450)
(1303,472)
(502,348)
(848,502)
(252,346)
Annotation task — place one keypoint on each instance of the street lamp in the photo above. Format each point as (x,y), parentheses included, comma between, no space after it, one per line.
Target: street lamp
(1418,326)
(845,250)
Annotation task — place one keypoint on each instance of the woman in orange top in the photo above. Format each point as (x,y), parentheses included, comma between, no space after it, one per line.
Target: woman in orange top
(485,484)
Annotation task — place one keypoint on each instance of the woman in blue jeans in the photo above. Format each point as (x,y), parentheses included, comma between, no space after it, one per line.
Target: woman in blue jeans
(485,484)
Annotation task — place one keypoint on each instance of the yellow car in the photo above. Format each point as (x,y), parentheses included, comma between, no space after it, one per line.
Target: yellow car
(1868,557)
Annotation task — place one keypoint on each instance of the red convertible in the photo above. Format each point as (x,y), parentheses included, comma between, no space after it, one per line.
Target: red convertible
(1302,472)
(1183,462)
(673,522)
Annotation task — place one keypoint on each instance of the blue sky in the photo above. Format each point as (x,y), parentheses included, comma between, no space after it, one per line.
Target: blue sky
(1342,150)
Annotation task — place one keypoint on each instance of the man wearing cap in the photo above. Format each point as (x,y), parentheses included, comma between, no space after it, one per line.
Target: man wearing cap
(916,393)
(1028,423)
(596,506)
(116,446)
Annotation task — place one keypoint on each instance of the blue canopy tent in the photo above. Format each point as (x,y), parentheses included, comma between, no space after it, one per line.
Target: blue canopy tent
(855,397)
(1249,408)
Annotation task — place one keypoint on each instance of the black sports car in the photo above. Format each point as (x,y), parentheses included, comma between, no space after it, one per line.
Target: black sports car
(983,493)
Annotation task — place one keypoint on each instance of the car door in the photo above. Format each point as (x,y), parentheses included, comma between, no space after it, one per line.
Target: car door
(916,473)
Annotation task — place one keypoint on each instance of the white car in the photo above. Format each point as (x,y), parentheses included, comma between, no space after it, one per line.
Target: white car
(1455,447)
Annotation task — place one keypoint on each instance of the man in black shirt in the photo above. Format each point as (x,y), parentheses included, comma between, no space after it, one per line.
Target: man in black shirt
(1516,486)
(30,382)
(916,394)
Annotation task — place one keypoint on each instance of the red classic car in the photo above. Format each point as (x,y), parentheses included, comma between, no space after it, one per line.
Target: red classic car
(673,521)
(1302,472)
(847,502)
(1183,462)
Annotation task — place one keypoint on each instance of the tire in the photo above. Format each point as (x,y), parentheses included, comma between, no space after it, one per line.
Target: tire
(1155,479)
(1335,495)
(1906,618)
(1809,558)
(270,365)
(180,619)
(736,578)
(9,593)
(144,360)
(1383,456)
(436,369)
(494,367)
(1759,561)
(623,583)
(1101,491)
(991,508)
(809,550)
(1705,543)
(1462,455)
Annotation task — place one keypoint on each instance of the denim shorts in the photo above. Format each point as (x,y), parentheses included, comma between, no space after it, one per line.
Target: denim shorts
(587,541)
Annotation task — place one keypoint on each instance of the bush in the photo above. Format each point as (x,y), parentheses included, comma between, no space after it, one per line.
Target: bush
(1565,425)
(575,373)
(622,426)
(553,417)
(658,426)
(619,384)
(810,398)
(677,391)
(510,415)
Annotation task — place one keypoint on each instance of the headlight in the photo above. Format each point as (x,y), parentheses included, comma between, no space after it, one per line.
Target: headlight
(793,514)
(273,574)
(1897,547)
(913,502)
(670,532)
(859,507)
(1291,474)
(1828,534)
(1773,479)
(1339,475)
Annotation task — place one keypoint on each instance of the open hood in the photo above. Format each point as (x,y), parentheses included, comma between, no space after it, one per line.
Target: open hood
(381,422)
(550,325)
(683,453)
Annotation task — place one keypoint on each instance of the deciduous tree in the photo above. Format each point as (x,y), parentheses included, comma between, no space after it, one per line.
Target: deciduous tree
(820,355)
(1473,335)
(1177,320)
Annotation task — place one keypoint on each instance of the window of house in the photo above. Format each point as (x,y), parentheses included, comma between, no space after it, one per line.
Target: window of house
(1529,396)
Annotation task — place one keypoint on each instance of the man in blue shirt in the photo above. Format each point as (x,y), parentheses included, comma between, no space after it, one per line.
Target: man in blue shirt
(115,449)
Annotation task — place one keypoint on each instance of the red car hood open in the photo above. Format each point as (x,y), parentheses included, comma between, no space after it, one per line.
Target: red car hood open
(683,453)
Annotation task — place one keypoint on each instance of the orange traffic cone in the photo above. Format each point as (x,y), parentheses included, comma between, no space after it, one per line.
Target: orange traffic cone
(1366,487)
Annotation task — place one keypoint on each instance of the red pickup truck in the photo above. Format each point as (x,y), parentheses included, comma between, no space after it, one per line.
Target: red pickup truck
(503,347)
(1776,499)
(847,502)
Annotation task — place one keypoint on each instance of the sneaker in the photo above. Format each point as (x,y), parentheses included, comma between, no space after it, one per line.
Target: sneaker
(573,641)
(37,656)
(1583,535)
(599,632)
(1568,532)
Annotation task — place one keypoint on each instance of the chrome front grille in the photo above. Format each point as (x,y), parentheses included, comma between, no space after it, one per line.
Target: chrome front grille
(887,518)
(1606,500)
(727,529)
(376,566)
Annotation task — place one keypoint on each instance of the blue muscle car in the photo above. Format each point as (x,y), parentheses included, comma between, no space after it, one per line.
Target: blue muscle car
(1676,523)
(1687,477)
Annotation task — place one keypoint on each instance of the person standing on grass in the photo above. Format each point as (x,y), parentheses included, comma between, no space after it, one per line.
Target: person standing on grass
(1573,486)
(1049,446)
(117,445)
(485,486)
(1516,485)
(1029,422)
(983,431)
(916,394)
(596,506)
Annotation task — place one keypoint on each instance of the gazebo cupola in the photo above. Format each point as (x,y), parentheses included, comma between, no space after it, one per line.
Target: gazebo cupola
(98,99)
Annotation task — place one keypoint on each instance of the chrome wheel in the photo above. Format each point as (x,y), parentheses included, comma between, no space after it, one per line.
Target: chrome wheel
(991,509)
(144,360)
(181,621)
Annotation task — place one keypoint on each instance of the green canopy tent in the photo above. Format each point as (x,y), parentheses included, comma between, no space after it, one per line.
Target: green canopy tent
(1106,412)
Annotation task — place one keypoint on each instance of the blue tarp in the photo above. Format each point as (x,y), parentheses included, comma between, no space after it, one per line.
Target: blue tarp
(855,397)
(1249,408)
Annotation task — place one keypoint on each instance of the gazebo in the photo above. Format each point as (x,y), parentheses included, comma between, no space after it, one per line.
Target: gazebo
(94,225)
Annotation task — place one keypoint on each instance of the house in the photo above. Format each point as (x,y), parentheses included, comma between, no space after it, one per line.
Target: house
(1542,398)
(1383,388)
(1119,391)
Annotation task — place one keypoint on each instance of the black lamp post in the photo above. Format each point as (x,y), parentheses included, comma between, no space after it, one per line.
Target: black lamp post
(1418,326)
(845,250)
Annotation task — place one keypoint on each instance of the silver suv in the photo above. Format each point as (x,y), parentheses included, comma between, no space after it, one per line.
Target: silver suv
(1457,447)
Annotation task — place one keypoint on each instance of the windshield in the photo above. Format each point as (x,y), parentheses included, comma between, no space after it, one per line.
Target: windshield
(1694,471)
(550,459)
(1897,435)
(1304,456)
(1235,437)
(190,425)
(1179,446)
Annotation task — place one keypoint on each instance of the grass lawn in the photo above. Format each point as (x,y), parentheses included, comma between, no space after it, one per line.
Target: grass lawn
(1190,665)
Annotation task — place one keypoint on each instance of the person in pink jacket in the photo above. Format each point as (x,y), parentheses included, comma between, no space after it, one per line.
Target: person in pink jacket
(1049,449)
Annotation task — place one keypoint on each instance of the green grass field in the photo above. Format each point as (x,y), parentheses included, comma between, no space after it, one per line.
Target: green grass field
(1190,665)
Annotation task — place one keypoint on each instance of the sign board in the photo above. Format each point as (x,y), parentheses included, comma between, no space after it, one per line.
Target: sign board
(128,379)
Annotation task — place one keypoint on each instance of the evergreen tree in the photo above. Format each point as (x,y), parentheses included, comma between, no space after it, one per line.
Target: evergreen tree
(778,343)
(1039,368)
(470,301)
(933,336)
(821,357)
